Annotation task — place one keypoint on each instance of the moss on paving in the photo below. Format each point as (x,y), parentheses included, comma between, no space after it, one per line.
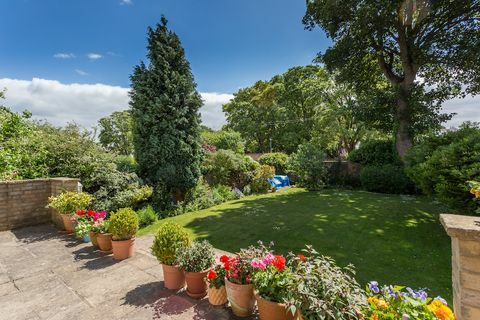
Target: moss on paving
(393,239)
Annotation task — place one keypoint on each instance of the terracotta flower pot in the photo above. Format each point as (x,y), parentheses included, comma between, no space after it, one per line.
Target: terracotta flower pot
(241,298)
(104,241)
(196,284)
(268,310)
(123,249)
(67,223)
(93,238)
(217,297)
(173,277)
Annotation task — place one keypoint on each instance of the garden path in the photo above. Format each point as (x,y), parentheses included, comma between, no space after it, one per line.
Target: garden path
(45,274)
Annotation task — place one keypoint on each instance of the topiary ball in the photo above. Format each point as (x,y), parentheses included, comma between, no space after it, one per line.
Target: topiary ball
(168,239)
(123,224)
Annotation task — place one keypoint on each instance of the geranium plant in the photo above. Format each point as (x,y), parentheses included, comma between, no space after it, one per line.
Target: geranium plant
(239,268)
(272,278)
(216,277)
(198,257)
(396,302)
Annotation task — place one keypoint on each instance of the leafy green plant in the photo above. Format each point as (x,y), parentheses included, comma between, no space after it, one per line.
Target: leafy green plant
(375,152)
(198,257)
(278,160)
(123,224)
(82,228)
(260,182)
(321,289)
(272,279)
(69,202)
(146,216)
(308,164)
(386,178)
(224,140)
(168,239)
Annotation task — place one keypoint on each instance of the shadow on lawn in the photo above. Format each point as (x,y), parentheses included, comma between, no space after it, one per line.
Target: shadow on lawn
(390,238)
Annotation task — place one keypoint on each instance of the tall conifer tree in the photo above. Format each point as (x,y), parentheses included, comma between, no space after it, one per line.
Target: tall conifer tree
(165,108)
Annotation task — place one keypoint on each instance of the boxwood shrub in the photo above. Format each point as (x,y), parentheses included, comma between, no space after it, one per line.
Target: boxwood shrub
(386,178)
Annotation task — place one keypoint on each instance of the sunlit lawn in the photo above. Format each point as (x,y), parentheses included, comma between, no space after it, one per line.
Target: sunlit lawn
(389,238)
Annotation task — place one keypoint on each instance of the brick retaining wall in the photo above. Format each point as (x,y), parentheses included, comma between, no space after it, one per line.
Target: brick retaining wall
(23,202)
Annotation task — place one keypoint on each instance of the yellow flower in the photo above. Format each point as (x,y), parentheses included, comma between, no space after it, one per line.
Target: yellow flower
(382,304)
(440,310)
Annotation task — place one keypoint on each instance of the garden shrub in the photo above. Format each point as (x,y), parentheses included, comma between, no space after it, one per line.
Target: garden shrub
(337,176)
(442,165)
(226,167)
(199,197)
(223,193)
(224,140)
(168,239)
(69,202)
(260,182)
(146,216)
(123,224)
(375,152)
(386,178)
(126,164)
(308,164)
(198,257)
(278,160)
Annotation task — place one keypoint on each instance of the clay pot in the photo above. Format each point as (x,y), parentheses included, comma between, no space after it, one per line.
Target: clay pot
(104,241)
(93,238)
(268,310)
(241,298)
(123,249)
(196,284)
(173,277)
(67,223)
(217,297)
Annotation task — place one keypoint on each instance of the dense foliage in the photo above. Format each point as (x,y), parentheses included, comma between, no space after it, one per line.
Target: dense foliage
(308,164)
(386,178)
(69,202)
(146,216)
(123,224)
(165,109)
(197,257)
(116,132)
(381,47)
(168,239)
(442,165)
(278,160)
(224,140)
(375,152)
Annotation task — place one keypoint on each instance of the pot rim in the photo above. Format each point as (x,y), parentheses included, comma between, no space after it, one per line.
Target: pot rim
(199,272)
(131,239)
(258,296)
(238,285)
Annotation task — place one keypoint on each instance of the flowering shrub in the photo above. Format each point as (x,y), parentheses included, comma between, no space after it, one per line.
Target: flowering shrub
(216,277)
(395,302)
(239,268)
(271,277)
(69,202)
(475,190)
(82,228)
(322,290)
(196,258)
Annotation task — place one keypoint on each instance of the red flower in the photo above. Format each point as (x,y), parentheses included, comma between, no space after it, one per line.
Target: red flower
(212,275)
(279,263)
(90,213)
(80,212)
(301,257)
(224,259)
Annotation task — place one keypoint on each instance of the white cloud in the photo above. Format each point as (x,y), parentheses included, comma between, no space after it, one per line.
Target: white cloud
(128,2)
(62,55)
(85,104)
(94,56)
(81,72)
(467,109)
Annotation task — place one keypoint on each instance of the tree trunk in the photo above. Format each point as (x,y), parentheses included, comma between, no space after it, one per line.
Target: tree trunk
(403,139)
(178,195)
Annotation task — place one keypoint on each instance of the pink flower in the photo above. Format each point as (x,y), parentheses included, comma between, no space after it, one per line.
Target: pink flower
(258,264)
(268,259)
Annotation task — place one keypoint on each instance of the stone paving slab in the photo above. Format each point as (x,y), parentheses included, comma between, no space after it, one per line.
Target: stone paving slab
(46,274)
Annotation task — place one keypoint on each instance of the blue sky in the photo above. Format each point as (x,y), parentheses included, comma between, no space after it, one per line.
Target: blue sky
(70,60)
(230,44)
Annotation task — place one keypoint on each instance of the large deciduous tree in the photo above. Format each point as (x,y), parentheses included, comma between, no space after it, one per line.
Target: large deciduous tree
(403,41)
(116,132)
(165,108)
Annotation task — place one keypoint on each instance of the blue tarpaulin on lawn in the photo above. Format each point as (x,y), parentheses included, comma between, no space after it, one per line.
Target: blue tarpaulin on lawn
(279,182)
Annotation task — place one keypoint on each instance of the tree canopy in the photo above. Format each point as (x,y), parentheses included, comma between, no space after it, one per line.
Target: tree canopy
(402,42)
(116,132)
(166,121)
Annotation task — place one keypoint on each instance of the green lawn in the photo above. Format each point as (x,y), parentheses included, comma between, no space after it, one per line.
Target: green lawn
(389,238)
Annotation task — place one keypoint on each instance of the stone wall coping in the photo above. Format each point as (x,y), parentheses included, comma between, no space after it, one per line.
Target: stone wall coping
(38,180)
(461,227)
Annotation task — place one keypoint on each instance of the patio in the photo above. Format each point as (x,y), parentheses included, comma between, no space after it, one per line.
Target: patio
(45,274)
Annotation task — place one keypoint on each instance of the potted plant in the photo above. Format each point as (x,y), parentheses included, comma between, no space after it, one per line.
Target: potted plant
(217,294)
(82,230)
(97,224)
(123,227)
(104,237)
(196,261)
(321,289)
(238,280)
(168,239)
(66,204)
(273,281)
